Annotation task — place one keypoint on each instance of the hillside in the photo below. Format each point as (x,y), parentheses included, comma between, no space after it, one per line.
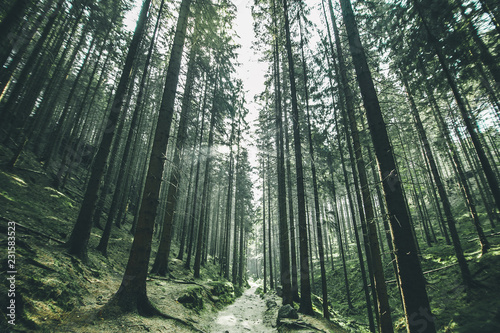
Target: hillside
(56,292)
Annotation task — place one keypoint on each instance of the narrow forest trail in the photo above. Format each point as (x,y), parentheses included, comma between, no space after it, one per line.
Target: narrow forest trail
(246,314)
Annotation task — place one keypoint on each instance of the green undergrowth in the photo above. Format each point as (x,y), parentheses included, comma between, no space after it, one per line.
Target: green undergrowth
(454,307)
(224,291)
(50,283)
(192,298)
(33,203)
(52,287)
(476,309)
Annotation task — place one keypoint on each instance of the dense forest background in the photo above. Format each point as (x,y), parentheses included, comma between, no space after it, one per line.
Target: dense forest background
(361,183)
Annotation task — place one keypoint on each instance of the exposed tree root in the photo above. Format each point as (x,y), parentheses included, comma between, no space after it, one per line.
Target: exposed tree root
(209,294)
(159,268)
(143,307)
(103,250)
(40,265)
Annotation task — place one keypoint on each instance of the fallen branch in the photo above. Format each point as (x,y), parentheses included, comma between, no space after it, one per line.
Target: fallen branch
(427,272)
(490,235)
(187,282)
(440,268)
(28,229)
(31,170)
(172,280)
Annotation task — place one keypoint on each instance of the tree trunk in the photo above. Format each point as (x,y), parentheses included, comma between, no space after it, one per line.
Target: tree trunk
(280,166)
(80,234)
(412,282)
(339,232)
(132,293)
(488,170)
(459,170)
(264,224)
(242,257)
(7,108)
(124,167)
(193,214)
(464,269)
(269,238)
(305,285)
(484,53)
(293,239)
(191,199)
(204,197)
(10,22)
(319,235)
(373,252)
(224,267)
(160,265)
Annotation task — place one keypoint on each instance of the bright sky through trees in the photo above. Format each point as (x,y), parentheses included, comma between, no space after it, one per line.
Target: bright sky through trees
(251,71)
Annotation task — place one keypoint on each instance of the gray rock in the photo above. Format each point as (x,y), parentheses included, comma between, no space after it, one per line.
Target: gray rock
(270,303)
(287,311)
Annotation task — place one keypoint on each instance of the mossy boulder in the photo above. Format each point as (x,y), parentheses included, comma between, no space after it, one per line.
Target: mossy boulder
(287,312)
(222,291)
(192,299)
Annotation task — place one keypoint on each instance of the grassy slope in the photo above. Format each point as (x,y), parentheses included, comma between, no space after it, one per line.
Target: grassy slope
(55,292)
(454,309)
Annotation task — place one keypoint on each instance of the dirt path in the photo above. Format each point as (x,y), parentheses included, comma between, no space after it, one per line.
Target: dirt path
(246,314)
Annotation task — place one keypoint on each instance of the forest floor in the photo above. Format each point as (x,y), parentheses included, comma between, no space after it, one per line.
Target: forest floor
(56,292)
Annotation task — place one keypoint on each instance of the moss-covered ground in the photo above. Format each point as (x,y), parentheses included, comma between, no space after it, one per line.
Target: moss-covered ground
(56,292)
(454,307)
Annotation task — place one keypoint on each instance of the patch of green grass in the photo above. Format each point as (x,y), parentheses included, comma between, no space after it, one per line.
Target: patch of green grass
(6,196)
